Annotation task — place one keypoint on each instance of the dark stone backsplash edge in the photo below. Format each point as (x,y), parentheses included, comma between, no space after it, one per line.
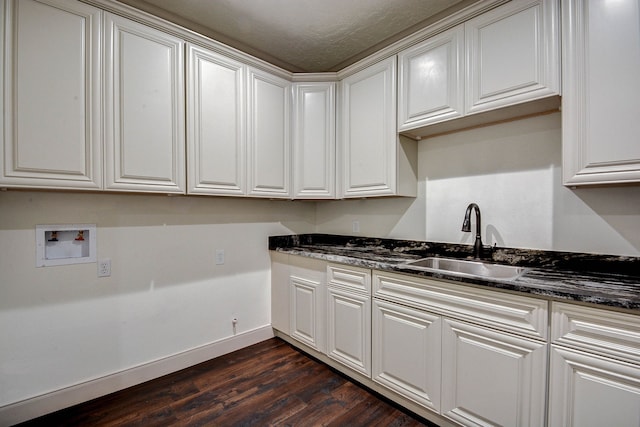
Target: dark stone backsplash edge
(533,258)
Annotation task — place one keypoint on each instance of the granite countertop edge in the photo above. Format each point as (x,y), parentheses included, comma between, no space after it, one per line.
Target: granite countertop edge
(608,281)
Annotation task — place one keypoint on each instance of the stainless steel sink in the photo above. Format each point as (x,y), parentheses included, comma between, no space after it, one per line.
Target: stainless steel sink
(469,268)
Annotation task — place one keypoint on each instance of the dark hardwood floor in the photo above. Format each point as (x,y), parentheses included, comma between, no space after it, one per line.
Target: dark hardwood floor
(267,384)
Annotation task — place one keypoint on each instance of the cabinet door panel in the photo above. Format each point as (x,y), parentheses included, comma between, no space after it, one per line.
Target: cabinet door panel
(314,141)
(600,125)
(145,108)
(491,378)
(591,391)
(349,329)
(216,124)
(512,55)
(368,136)
(406,352)
(307,301)
(304,296)
(52,103)
(431,80)
(268,135)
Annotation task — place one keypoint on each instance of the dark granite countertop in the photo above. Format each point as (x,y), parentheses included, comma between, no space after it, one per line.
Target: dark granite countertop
(606,280)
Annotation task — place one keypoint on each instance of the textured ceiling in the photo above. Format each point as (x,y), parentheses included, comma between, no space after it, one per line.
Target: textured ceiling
(303,35)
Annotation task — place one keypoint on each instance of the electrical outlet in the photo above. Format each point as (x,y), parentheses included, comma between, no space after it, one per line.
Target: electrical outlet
(219,256)
(104,268)
(355,226)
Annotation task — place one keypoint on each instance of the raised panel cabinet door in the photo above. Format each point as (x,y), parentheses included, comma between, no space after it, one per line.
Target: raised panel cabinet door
(216,118)
(305,324)
(591,391)
(314,140)
(268,135)
(369,140)
(512,55)
(349,329)
(144,117)
(491,378)
(52,95)
(600,102)
(406,352)
(307,301)
(430,80)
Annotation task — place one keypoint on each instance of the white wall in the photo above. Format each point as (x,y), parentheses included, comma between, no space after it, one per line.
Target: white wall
(60,326)
(512,171)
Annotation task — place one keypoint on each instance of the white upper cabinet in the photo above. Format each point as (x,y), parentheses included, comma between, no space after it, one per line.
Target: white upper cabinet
(506,57)
(373,160)
(144,117)
(512,55)
(600,104)
(268,135)
(314,140)
(431,80)
(216,123)
(51,103)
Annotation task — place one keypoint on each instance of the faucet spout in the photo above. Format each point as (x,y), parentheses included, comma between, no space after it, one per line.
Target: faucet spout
(466,227)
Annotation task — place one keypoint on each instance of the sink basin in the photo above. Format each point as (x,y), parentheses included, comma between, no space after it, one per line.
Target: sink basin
(469,268)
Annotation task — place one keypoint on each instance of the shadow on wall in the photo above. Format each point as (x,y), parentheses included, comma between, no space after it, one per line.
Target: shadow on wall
(506,168)
(609,218)
(395,217)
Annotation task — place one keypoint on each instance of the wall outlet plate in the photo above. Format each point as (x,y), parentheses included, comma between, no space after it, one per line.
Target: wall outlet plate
(104,268)
(219,256)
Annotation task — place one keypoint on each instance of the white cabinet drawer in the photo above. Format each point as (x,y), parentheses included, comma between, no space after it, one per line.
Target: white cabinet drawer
(598,331)
(513,313)
(354,278)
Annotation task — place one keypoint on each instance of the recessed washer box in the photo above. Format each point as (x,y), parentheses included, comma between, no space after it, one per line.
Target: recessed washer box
(62,244)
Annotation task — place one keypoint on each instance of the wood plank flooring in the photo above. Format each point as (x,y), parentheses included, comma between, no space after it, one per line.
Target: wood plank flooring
(267,384)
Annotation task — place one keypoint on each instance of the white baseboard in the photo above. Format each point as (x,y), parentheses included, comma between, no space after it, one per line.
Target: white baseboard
(40,405)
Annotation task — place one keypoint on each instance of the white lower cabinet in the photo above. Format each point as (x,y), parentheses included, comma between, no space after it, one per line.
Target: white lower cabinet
(280,292)
(595,368)
(307,282)
(349,317)
(592,391)
(349,329)
(477,357)
(406,352)
(460,354)
(492,378)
